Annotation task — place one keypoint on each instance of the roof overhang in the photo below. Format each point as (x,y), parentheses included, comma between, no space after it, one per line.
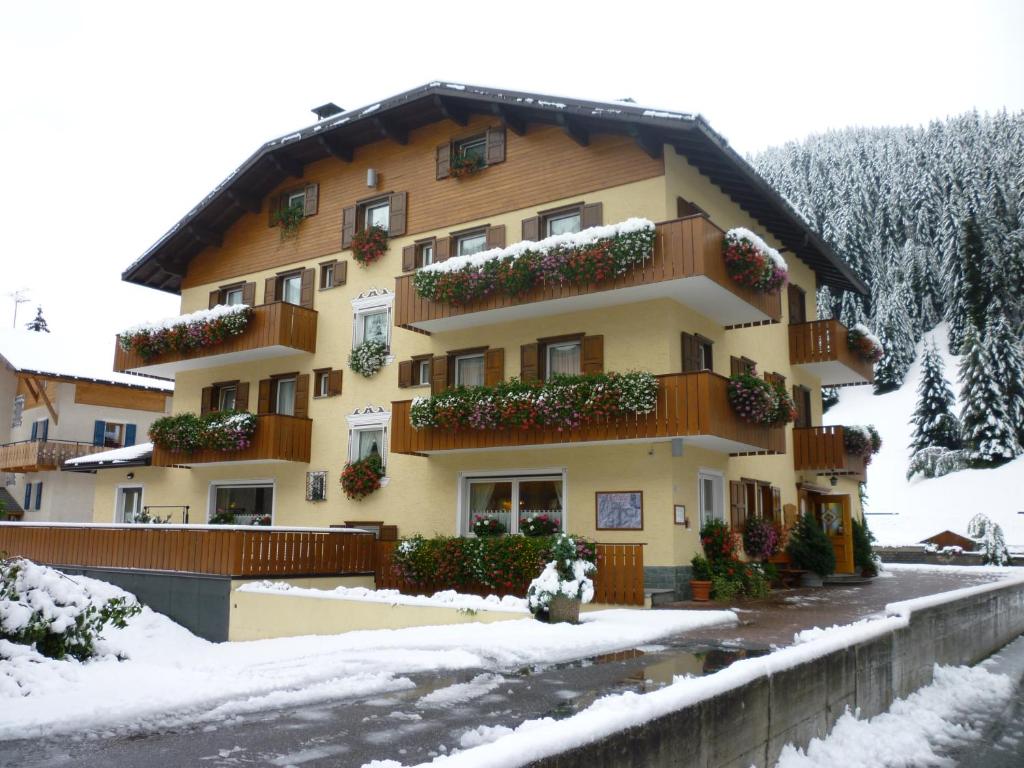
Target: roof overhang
(164,265)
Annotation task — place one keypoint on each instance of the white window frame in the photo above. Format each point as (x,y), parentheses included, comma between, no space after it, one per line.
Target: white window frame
(298,197)
(229,292)
(285,279)
(220,397)
(327,275)
(462,522)
(376,205)
(460,239)
(117,498)
(368,303)
(549,220)
(718,502)
(426,254)
(473,356)
(323,384)
(277,394)
(551,345)
(211,493)
(477,143)
(421,367)
(369,419)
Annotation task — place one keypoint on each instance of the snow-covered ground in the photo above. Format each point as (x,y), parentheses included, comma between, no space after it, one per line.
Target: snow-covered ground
(169,677)
(902,512)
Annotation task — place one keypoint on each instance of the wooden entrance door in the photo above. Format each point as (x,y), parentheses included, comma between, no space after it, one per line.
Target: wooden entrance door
(833,513)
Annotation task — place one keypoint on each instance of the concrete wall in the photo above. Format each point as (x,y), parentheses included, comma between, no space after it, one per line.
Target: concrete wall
(916,554)
(750,723)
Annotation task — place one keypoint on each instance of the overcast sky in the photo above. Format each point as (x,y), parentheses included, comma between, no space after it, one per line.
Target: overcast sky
(116,118)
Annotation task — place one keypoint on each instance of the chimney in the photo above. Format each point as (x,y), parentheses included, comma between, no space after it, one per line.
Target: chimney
(330,109)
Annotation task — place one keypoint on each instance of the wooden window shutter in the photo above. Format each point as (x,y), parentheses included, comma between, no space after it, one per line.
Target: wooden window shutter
(206,401)
(801,396)
(214,299)
(737,504)
(263,406)
(797,305)
(348,226)
(249,294)
(593,354)
(396,210)
(270,290)
(242,396)
(776,504)
(308,288)
(302,395)
(340,272)
(736,366)
(129,434)
(496,236)
(99,428)
(444,160)
(334,381)
(274,209)
(592,216)
(529,362)
(531,228)
(405,374)
(494,366)
(691,352)
(438,374)
(442,248)
(495,145)
(409,258)
(312,200)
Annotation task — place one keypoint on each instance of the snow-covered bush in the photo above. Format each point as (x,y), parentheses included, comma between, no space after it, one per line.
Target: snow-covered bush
(368,357)
(751,262)
(862,441)
(57,616)
(936,462)
(864,343)
(567,575)
(989,540)
(219,431)
(205,328)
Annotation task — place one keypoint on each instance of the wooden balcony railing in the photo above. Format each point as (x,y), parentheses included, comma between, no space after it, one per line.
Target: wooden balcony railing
(277,438)
(822,449)
(217,550)
(821,347)
(687,265)
(42,455)
(694,405)
(273,330)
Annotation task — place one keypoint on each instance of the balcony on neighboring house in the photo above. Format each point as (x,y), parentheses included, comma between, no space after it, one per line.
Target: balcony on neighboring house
(274,330)
(277,439)
(42,455)
(691,406)
(687,266)
(820,347)
(823,450)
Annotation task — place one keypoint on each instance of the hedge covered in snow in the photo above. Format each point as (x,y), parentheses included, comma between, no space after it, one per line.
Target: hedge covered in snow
(205,328)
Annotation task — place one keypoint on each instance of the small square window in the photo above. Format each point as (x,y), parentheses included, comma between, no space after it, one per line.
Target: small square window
(475,147)
(113,435)
(232,296)
(285,400)
(368,442)
(470,243)
(316,486)
(323,383)
(568,223)
(562,357)
(227,397)
(424,254)
(375,326)
(469,370)
(296,200)
(291,289)
(423,372)
(377,215)
(327,276)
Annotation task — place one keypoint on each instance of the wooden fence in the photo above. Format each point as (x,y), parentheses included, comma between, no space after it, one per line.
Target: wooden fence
(193,549)
(619,579)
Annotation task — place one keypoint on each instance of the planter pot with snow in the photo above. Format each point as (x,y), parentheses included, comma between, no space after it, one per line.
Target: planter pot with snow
(810,579)
(564,610)
(700,590)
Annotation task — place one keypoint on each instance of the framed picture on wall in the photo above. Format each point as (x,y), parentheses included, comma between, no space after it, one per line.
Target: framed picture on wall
(620,510)
(680,515)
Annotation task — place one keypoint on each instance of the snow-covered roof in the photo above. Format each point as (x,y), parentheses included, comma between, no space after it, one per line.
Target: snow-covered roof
(51,354)
(132,453)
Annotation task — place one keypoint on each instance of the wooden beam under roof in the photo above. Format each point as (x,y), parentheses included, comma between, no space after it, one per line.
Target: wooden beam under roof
(647,141)
(39,393)
(450,110)
(514,123)
(244,200)
(391,130)
(573,129)
(205,236)
(336,148)
(285,164)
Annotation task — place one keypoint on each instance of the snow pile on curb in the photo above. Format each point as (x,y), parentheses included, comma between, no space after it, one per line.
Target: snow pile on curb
(445,599)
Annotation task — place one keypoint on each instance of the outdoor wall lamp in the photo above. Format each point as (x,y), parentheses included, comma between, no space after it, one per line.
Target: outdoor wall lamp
(131,475)
(833,481)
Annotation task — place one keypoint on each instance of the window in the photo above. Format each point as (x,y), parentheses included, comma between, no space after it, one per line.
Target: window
(40,430)
(316,486)
(513,500)
(243,504)
(377,214)
(475,146)
(372,318)
(562,357)
(425,254)
(368,442)
(323,384)
(711,497)
(284,397)
(39,496)
(368,435)
(327,275)
(422,369)
(113,435)
(471,242)
(565,223)
(19,409)
(469,370)
(233,296)
(227,397)
(374,326)
(129,504)
(296,200)
(291,288)
(704,356)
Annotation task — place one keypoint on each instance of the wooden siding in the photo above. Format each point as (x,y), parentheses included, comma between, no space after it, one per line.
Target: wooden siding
(683,248)
(42,455)
(228,552)
(619,579)
(277,437)
(822,449)
(52,387)
(276,324)
(825,341)
(542,166)
(112,396)
(689,404)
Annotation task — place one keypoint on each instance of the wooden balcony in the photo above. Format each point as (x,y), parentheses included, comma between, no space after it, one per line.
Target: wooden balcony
(42,455)
(691,406)
(687,266)
(277,438)
(275,330)
(820,346)
(822,450)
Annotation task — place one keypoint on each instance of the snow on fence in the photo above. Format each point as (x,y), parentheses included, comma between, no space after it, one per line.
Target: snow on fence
(619,579)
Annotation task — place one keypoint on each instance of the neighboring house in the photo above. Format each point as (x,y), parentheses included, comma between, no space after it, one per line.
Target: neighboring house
(543,166)
(61,403)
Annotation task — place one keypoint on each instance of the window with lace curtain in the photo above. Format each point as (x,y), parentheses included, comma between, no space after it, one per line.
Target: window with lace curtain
(562,357)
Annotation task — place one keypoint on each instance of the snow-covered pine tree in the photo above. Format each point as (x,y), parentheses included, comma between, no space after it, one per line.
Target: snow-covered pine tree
(895,332)
(38,323)
(978,272)
(935,424)
(1007,355)
(985,426)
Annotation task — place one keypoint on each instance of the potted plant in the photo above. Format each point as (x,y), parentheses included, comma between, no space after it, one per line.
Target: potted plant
(369,244)
(864,344)
(811,551)
(362,477)
(465,164)
(289,219)
(761,538)
(488,525)
(538,525)
(700,578)
(564,584)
